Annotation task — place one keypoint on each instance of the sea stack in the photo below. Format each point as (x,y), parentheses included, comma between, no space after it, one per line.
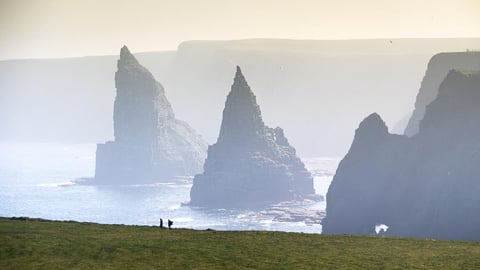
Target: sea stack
(150,144)
(250,165)
(426,186)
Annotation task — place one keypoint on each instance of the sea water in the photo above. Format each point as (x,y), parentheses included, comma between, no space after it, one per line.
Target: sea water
(36,180)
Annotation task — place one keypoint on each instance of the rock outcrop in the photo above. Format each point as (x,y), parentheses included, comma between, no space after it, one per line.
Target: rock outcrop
(437,69)
(250,165)
(424,186)
(150,144)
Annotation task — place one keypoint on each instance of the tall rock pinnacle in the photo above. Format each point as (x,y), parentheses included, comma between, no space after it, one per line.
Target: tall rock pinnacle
(126,58)
(251,165)
(150,144)
(140,105)
(241,110)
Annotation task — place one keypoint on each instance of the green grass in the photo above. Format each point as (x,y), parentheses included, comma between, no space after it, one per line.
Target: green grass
(36,244)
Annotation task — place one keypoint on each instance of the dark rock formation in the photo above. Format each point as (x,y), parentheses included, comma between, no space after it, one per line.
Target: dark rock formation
(424,186)
(251,165)
(150,144)
(437,69)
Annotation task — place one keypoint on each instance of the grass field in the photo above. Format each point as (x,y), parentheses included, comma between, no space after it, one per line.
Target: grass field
(37,244)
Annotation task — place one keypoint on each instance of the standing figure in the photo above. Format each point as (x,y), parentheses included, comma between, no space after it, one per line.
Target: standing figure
(170,223)
(161,223)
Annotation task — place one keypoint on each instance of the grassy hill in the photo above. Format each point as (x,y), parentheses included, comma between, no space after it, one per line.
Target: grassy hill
(39,244)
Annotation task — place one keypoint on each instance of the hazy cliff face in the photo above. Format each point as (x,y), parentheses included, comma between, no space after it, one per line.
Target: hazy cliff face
(438,68)
(424,186)
(251,165)
(140,104)
(150,144)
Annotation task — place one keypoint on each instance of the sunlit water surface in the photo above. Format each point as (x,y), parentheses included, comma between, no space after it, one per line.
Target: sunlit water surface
(36,181)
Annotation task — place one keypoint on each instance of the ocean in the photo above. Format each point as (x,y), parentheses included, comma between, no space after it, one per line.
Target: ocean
(37,181)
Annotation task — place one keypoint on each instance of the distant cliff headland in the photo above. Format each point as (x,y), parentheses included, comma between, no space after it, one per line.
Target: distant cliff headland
(438,68)
(423,186)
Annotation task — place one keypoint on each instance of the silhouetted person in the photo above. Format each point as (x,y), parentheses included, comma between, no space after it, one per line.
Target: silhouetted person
(161,223)
(170,223)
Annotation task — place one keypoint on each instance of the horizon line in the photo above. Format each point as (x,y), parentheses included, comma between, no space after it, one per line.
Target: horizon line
(237,40)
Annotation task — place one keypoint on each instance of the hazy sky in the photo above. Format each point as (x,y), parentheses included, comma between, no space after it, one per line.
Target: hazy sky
(58,28)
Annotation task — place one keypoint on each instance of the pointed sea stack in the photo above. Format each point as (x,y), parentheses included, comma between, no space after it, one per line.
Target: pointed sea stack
(150,144)
(251,165)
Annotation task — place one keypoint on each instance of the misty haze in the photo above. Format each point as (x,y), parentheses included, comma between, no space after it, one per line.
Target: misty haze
(370,130)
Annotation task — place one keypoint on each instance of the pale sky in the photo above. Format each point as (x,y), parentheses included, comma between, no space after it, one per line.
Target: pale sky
(62,28)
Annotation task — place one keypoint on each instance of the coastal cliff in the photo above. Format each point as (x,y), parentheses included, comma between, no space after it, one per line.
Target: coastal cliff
(423,186)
